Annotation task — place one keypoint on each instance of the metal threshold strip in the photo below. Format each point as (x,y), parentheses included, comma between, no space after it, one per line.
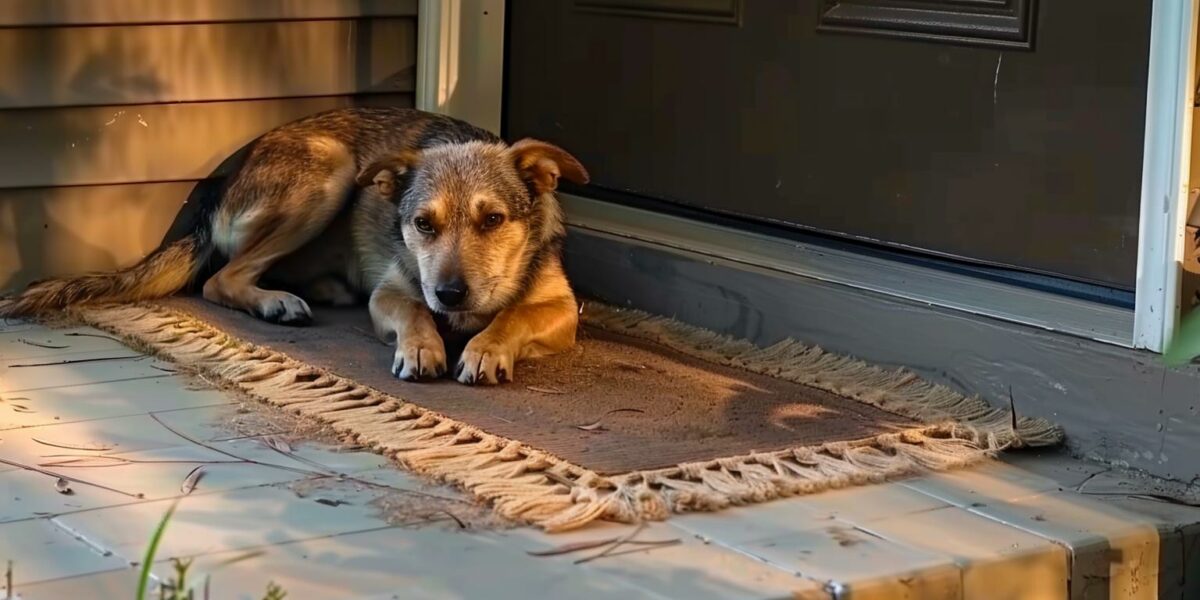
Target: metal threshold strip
(1042,309)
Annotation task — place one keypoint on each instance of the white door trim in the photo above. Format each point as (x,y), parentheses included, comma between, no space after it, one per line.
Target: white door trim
(460,59)
(1165,168)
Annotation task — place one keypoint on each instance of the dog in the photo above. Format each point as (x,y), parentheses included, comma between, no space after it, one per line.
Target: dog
(442,226)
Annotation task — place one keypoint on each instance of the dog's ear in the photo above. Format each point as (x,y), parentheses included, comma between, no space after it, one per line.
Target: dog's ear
(541,164)
(384,171)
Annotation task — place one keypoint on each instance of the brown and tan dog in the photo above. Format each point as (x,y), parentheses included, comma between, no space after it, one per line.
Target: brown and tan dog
(439,222)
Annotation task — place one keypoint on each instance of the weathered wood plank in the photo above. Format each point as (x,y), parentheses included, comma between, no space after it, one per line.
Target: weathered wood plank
(86,66)
(26,13)
(135,144)
(59,231)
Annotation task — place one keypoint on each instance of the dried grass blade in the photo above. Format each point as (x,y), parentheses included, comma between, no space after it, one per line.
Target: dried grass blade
(75,361)
(34,469)
(75,463)
(1012,411)
(544,390)
(71,447)
(239,558)
(461,524)
(574,547)
(192,439)
(1146,496)
(643,547)
(41,345)
(224,452)
(117,461)
(193,478)
(95,335)
(277,444)
(282,447)
(641,527)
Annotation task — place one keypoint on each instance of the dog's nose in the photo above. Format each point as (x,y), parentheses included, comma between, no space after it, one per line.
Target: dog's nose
(452,294)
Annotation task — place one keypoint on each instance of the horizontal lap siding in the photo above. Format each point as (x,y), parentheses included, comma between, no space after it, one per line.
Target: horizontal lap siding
(60,231)
(32,13)
(108,117)
(44,67)
(99,145)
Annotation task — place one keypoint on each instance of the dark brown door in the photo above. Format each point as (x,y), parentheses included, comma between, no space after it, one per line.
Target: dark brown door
(1006,132)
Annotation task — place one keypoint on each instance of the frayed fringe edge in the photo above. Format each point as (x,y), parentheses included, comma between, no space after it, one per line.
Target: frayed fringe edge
(525,484)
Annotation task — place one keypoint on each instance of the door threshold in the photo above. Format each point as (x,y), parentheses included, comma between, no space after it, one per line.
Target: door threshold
(1037,308)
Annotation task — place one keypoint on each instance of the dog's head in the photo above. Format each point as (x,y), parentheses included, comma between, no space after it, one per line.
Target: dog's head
(475,216)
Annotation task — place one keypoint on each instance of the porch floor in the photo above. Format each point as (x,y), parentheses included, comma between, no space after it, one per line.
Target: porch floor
(324,521)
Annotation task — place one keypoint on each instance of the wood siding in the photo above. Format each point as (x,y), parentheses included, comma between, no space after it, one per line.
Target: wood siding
(112,110)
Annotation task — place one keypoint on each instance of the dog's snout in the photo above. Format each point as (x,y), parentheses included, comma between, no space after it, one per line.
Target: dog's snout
(452,294)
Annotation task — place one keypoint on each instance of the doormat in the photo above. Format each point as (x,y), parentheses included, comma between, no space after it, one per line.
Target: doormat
(645,417)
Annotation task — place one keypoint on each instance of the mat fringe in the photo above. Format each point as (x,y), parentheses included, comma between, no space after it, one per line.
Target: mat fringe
(526,484)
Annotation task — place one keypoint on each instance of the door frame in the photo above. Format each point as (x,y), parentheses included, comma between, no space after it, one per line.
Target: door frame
(460,59)
(460,62)
(1162,222)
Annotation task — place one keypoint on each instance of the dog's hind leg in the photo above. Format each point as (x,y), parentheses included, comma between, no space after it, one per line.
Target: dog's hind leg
(276,206)
(268,236)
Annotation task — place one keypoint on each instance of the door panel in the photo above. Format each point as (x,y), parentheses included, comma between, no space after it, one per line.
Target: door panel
(712,11)
(1001,23)
(1000,131)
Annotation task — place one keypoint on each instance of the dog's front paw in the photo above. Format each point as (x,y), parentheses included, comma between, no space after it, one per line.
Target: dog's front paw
(485,362)
(419,358)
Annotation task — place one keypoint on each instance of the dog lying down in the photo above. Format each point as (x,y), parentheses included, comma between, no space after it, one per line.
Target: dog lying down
(441,224)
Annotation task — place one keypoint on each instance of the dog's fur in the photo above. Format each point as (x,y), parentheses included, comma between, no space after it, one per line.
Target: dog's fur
(415,210)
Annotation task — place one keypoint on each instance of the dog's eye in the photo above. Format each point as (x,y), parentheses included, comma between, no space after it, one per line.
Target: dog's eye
(493,220)
(423,225)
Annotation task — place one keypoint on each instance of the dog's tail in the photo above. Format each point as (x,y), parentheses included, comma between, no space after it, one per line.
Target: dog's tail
(164,272)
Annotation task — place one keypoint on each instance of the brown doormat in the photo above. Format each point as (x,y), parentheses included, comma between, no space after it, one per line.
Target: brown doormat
(646,416)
